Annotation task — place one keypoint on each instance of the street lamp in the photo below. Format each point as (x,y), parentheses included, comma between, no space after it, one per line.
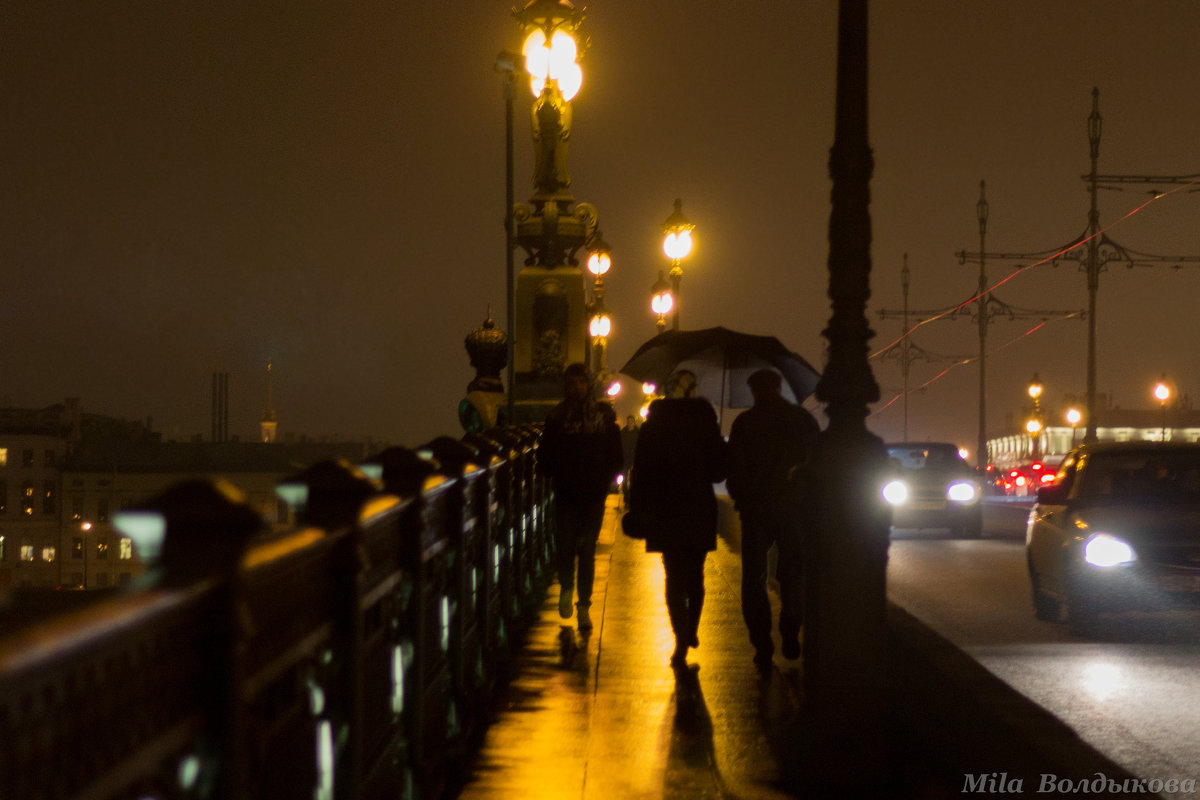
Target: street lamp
(84,527)
(662,300)
(1034,427)
(600,320)
(1162,393)
(599,326)
(1035,394)
(1073,418)
(677,243)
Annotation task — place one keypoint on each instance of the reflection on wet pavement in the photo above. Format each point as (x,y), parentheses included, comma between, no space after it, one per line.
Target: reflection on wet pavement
(607,717)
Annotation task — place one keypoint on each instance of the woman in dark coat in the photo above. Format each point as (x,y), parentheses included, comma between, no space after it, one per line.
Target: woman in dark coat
(680,455)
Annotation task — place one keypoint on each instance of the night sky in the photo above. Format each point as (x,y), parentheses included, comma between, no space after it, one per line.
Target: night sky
(191,187)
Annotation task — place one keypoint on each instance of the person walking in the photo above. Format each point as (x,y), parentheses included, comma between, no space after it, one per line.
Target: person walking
(680,455)
(769,446)
(580,451)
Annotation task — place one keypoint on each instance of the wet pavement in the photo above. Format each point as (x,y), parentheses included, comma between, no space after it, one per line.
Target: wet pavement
(605,716)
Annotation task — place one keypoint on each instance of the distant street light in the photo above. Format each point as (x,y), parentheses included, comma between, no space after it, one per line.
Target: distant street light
(1035,393)
(1162,393)
(84,527)
(1034,426)
(677,243)
(1073,418)
(600,319)
(662,300)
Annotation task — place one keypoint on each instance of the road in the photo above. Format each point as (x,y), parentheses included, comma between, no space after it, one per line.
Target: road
(1131,693)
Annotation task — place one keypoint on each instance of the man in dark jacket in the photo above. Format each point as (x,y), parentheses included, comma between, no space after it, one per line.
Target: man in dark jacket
(581,453)
(680,455)
(768,446)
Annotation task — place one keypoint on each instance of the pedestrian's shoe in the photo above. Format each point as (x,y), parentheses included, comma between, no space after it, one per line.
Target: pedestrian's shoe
(564,603)
(585,622)
(679,657)
(791,647)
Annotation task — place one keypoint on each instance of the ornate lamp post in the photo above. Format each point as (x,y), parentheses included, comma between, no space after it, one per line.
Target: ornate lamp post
(662,300)
(552,311)
(1162,393)
(600,320)
(845,630)
(677,243)
(1034,426)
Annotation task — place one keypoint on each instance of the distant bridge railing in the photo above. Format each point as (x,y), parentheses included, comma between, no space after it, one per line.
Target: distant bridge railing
(353,656)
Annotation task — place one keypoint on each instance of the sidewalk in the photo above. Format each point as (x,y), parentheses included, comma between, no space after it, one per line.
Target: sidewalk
(606,717)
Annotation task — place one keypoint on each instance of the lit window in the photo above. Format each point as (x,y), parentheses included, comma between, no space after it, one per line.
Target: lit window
(77,547)
(48,489)
(27,499)
(3,456)
(48,553)
(76,508)
(126,548)
(27,552)
(1,548)
(102,549)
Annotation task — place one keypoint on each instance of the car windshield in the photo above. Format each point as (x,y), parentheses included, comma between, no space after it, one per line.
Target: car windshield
(926,456)
(1141,475)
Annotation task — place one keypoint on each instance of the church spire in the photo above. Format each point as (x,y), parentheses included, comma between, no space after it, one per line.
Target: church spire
(269,422)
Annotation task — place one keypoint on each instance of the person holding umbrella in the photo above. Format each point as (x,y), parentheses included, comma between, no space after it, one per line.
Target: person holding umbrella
(769,445)
(680,455)
(581,453)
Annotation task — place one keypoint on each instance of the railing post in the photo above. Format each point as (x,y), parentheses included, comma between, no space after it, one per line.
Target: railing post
(432,715)
(334,496)
(200,530)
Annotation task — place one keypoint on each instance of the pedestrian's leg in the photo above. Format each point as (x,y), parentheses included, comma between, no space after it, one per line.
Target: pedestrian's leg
(791,593)
(695,575)
(675,580)
(756,605)
(590,523)
(566,536)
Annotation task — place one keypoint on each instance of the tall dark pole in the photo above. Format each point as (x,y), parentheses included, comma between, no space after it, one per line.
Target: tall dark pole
(1093,266)
(509,243)
(844,628)
(905,344)
(981,453)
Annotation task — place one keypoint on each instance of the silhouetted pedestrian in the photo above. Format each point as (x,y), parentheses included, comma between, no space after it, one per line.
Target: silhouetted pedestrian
(581,453)
(680,455)
(769,445)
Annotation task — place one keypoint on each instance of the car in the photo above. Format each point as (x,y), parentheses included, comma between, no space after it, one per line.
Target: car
(1118,531)
(931,486)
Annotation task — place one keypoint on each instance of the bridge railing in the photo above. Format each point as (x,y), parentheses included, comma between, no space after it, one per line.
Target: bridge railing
(352,656)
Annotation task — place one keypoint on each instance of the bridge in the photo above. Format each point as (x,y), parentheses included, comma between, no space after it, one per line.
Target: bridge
(391,645)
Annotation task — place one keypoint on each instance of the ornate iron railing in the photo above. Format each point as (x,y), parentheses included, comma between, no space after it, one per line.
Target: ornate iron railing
(353,656)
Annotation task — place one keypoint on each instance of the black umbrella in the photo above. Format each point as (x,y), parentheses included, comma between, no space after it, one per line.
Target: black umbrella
(722,361)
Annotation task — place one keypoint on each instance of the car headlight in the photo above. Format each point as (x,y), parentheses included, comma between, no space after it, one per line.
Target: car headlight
(962,492)
(896,492)
(1104,550)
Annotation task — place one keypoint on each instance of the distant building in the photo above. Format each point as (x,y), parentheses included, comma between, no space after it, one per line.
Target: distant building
(63,474)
